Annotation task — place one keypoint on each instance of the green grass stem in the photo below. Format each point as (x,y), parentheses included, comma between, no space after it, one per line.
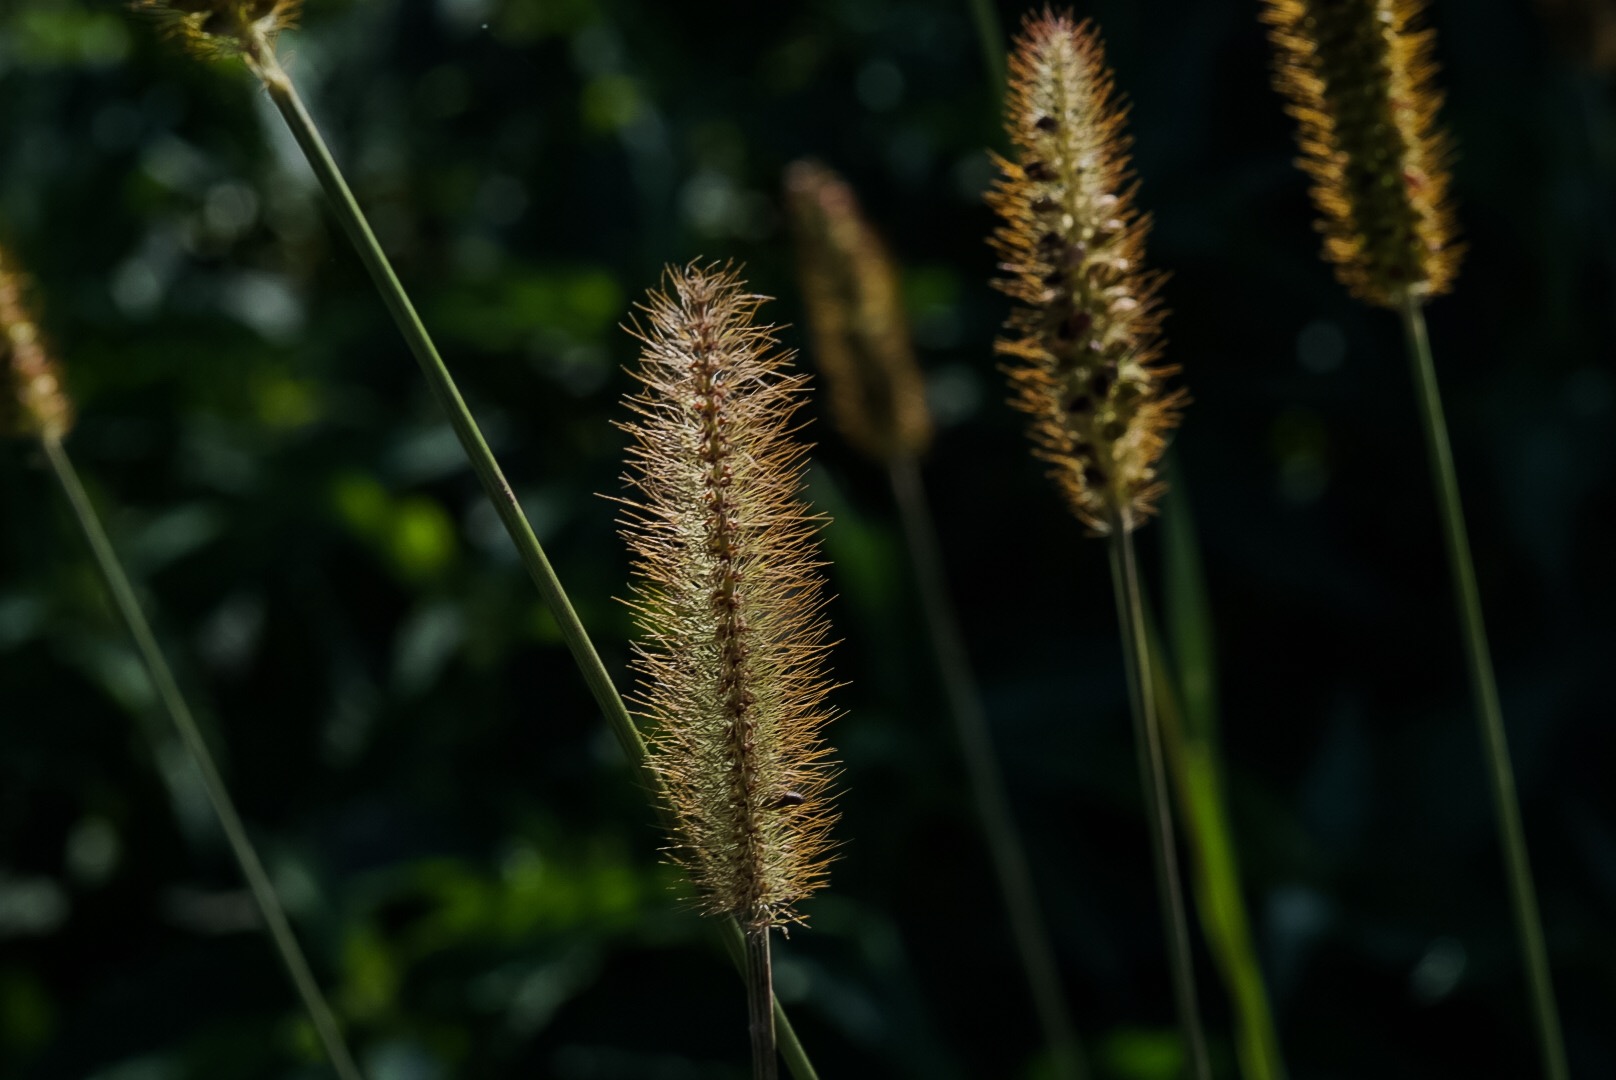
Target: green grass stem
(1153,779)
(168,693)
(760,1002)
(993,812)
(1484,688)
(991,36)
(1186,698)
(346,208)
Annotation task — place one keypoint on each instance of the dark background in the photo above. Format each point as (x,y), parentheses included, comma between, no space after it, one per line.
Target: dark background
(458,839)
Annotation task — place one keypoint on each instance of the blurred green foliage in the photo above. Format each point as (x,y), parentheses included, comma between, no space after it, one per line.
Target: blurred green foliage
(461,847)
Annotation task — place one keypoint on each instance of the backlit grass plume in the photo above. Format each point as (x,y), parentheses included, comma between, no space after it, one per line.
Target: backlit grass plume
(1085,336)
(729,598)
(859,330)
(1359,79)
(223,28)
(32,400)
(1084,342)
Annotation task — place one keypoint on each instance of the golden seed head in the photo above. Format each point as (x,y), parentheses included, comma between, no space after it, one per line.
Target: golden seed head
(729,599)
(217,29)
(1360,80)
(1086,332)
(860,333)
(34,402)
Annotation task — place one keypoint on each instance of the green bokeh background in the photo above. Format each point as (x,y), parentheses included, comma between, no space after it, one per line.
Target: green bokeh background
(459,841)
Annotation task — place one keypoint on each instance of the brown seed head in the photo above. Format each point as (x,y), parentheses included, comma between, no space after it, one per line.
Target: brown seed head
(1360,80)
(1085,336)
(32,401)
(729,599)
(855,314)
(222,28)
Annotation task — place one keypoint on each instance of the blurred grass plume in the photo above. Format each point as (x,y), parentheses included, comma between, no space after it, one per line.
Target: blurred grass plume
(860,333)
(1359,78)
(34,403)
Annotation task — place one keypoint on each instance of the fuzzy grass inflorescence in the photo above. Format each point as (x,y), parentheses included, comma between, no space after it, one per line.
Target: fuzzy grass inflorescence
(860,332)
(33,402)
(219,29)
(1085,337)
(729,597)
(1359,78)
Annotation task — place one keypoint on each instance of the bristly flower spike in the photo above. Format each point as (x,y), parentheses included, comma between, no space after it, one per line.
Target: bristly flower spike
(1085,337)
(1360,80)
(859,331)
(729,599)
(218,29)
(32,400)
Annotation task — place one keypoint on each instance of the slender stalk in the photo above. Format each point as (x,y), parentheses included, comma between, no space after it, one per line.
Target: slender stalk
(346,208)
(982,770)
(1215,876)
(991,36)
(1187,701)
(1153,778)
(789,1047)
(1484,688)
(168,692)
(760,1002)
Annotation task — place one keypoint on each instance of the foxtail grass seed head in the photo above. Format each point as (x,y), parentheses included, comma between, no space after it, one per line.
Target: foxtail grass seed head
(33,402)
(1360,80)
(858,328)
(1085,335)
(729,599)
(217,29)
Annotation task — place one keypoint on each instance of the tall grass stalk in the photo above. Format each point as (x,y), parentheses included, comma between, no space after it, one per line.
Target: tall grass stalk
(1084,358)
(247,28)
(994,815)
(34,403)
(346,208)
(168,693)
(1186,700)
(1360,79)
(1153,779)
(1484,690)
